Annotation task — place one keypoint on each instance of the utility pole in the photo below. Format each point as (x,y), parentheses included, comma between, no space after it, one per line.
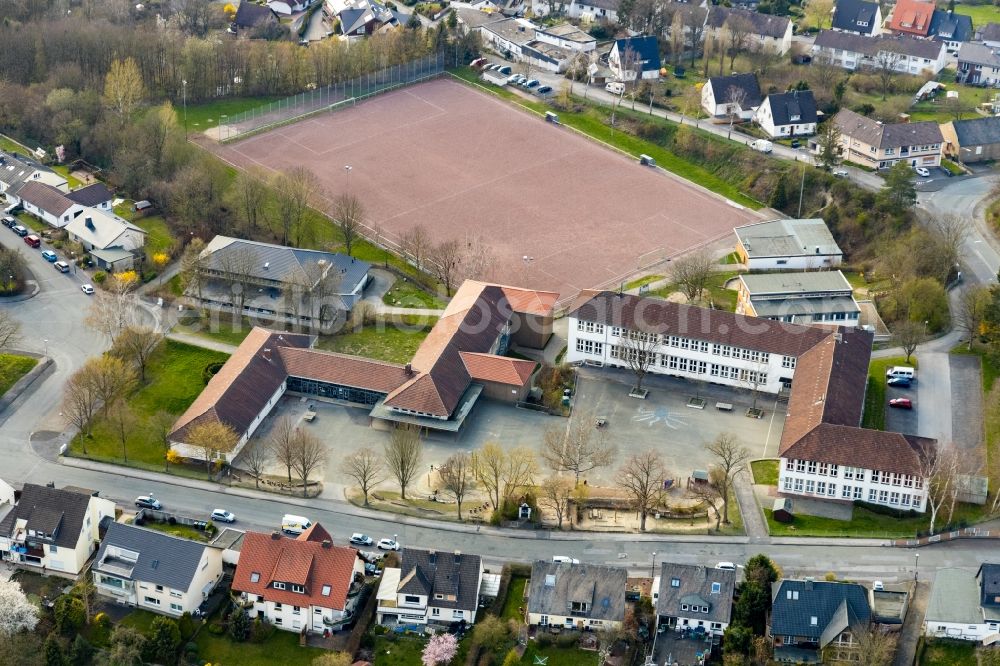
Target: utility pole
(802,187)
(184,85)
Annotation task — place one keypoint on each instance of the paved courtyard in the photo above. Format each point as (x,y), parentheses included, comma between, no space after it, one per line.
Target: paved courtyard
(661,421)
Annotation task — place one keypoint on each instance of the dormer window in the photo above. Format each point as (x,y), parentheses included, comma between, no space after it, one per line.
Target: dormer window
(439,596)
(299,588)
(684,607)
(278,585)
(794,118)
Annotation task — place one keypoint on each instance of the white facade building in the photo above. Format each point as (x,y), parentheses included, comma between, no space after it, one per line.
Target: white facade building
(830,481)
(963,605)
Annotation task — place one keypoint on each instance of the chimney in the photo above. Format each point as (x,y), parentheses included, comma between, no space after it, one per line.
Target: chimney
(275,535)
(267,265)
(408,369)
(809,584)
(458,557)
(433,557)
(327,543)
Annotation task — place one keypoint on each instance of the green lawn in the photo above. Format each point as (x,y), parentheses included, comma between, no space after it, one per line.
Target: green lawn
(866,523)
(174,378)
(12,368)
(515,599)
(384,342)
(183,531)
(948,653)
(723,298)
(201,117)
(32,222)
(641,282)
(11,146)
(159,237)
(558,656)
(405,294)
(875,400)
(765,472)
(63,171)
(281,648)
(398,650)
(139,619)
(981,14)
(223,329)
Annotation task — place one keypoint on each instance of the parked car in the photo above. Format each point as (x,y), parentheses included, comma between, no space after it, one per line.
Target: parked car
(146,502)
(19,230)
(223,516)
(87,289)
(388,544)
(565,559)
(727,566)
(513,78)
(530,83)
(840,173)
(477,62)
(878,586)
(922,172)
(9,222)
(32,240)
(505,69)
(49,256)
(899,382)
(796,143)
(359,539)
(901,403)
(61,266)
(544,90)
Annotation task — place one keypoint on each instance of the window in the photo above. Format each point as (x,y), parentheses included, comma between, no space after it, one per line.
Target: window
(177,608)
(296,610)
(435,612)
(831,490)
(175,594)
(788,362)
(278,585)
(857,492)
(821,487)
(675,582)
(684,607)
(716,589)
(800,465)
(787,485)
(798,485)
(883,496)
(893,498)
(111,582)
(789,464)
(411,599)
(822,469)
(792,594)
(152,601)
(326,591)
(811,465)
(834,469)
(298,588)
(872,495)
(845,492)
(159,588)
(589,347)
(53,548)
(810,486)
(457,614)
(277,620)
(278,606)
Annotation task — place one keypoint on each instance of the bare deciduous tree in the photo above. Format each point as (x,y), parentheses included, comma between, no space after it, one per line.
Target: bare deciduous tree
(10,330)
(711,493)
(753,378)
(111,378)
(349,215)
(873,647)
(736,97)
(114,308)
(458,477)
(123,421)
(282,443)
(478,260)
(554,494)
(308,455)
(80,403)
(908,335)
(579,448)
(939,470)
(364,467)
(829,145)
(294,192)
(445,262)
(256,457)
(403,455)
(251,193)
(417,244)
(211,438)
(162,424)
(240,265)
(135,345)
(642,477)
(519,472)
(638,351)
(502,473)
(738,32)
(691,273)
(886,65)
(194,267)
(731,460)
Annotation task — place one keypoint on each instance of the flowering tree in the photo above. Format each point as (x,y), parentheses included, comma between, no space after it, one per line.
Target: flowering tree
(440,649)
(61,153)
(16,612)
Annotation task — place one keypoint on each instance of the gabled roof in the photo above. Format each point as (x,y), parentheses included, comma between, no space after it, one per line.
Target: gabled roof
(977,131)
(499,369)
(834,606)
(455,576)
(45,197)
(912,17)
(555,585)
(951,27)
(647,49)
(15,170)
(160,559)
(250,15)
(989,32)
(978,54)
(723,87)
(324,570)
(797,104)
(764,25)
(57,513)
(696,581)
(905,45)
(91,195)
(787,238)
(851,14)
(342,369)
(989,584)
(892,135)
(100,229)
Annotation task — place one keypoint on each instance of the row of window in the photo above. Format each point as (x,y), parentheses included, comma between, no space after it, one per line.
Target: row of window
(694,608)
(153,601)
(589,327)
(681,342)
(682,364)
(853,473)
(738,374)
(848,492)
(589,347)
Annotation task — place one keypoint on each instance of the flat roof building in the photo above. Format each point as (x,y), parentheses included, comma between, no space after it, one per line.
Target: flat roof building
(803,298)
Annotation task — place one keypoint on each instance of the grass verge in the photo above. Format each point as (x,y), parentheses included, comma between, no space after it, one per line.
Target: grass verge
(721,297)
(642,282)
(406,294)
(12,368)
(868,524)
(765,472)
(201,117)
(182,531)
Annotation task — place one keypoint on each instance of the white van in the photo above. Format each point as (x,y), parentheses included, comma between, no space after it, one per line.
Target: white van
(563,559)
(295,525)
(900,371)
(762,145)
(616,87)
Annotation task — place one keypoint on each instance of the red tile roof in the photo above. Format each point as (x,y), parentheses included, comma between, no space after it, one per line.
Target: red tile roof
(298,561)
(500,369)
(861,447)
(342,369)
(912,17)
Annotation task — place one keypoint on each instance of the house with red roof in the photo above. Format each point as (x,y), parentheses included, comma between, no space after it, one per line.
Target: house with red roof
(298,584)
(911,17)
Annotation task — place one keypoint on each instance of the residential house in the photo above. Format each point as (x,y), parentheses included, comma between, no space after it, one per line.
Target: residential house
(635,57)
(462,359)
(250,16)
(54,528)
(16,170)
(824,451)
(971,141)
(818,297)
(978,65)
(48,204)
(517,39)
(304,584)
(858,16)
(588,11)
(300,286)
(989,35)
(362,18)
(566,36)
(817,621)
(902,53)
(736,95)
(911,17)
(876,145)
(93,196)
(288,7)
(965,605)
(952,29)
(576,596)
(430,587)
(787,244)
(790,113)
(155,571)
(763,31)
(95,229)
(694,597)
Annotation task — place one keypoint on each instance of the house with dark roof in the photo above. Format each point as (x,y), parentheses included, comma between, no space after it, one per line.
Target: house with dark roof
(693,597)
(764,31)
(155,571)
(824,451)
(952,29)
(48,204)
(635,57)
(964,605)
(901,53)
(430,587)
(576,596)
(989,35)
(815,297)
(52,528)
(791,113)
(462,359)
(978,64)
(857,16)
(877,145)
(787,245)
(17,170)
(361,18)
(817,621)
(305,584)
(736,95)
(911,17)
(971,141)
(250,15)
(305,287)
(96,195)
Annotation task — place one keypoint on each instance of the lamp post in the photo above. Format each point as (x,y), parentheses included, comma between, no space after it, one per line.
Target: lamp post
(184,86)
(348,169)
(916,566)
(429,476)
(46,341)
(652,566)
